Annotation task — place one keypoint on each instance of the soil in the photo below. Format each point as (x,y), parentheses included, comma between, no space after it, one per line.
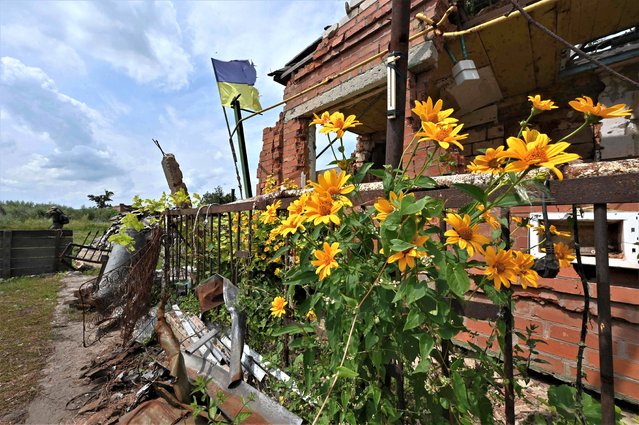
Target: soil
(60,382)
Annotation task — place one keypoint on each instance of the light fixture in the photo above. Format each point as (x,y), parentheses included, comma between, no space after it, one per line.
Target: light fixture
(391,94)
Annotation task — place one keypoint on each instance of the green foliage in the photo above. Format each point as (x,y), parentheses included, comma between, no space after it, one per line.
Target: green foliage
(563,401)
(205,405)
(102,201)
(217,196)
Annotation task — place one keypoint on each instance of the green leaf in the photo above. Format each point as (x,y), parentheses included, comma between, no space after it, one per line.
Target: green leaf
(399,245)
(293,329)
(408,229)
(562,398)
(344,372)
(410,207)
(457,279)
(279,253)
(475,192)
(426,344)
(362,172)
(461,396)
(591,409)
(510,200)
(415,290)
(413,320)
(425,182)
(302,278)
(378,173)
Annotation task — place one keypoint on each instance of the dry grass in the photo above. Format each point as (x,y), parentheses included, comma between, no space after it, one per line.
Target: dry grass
(26,333)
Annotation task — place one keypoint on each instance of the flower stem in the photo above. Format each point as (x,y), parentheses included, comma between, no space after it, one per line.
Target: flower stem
(585,123)
(525,123)
(348,342)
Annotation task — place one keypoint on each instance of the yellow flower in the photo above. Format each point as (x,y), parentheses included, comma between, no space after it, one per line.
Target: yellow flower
(323,120)
(428,112)
(333,184)
(522,221)
(321,208)
(338,124)
(291,224)
(491,162)
(326,259)
(564,254)
(523,269)
(311,316)
(443,133)
(541,105)
(277,307)
(277,272)
(463,234)
(297,206)
(535,151)
(270,215)
(541,231)
(500,267)
(489,218)
(595,113)
(385,206)
(407,257)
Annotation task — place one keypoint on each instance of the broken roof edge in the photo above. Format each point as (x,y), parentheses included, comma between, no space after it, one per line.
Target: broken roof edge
(283,74)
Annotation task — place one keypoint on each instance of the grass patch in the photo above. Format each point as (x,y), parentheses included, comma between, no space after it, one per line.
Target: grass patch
(26,312)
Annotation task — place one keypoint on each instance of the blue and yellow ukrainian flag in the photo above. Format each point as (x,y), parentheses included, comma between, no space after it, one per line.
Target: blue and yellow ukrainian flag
(237,77)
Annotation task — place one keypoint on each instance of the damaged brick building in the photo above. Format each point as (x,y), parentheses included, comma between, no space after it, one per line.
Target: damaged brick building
(514,59)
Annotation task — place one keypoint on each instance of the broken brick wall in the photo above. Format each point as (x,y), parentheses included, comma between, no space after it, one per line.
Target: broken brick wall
(364,32)
(555,308)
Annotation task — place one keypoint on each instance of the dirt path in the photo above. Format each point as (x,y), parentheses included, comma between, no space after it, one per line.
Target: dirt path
(60,380)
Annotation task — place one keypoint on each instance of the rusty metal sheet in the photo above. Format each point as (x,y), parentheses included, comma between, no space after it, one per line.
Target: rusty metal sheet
(209,293)
(156,412)
(264,410)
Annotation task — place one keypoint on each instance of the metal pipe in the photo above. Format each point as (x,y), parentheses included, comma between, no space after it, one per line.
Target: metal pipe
(604,320)
(496,21)
(400,15)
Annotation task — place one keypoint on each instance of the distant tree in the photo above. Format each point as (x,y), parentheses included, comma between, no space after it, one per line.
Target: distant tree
(101,201)
(217,196)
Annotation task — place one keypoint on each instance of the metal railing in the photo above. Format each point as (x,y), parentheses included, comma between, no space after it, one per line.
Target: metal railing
(218,238)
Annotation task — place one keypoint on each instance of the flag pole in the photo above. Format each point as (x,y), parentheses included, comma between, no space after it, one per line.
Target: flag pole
(237,172)
(241,143)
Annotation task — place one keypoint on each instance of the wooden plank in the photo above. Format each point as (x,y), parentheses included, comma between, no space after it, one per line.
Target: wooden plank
(545,50)
(5,254)
(34,252)
(43,264)
(510,54)
(629,15)
(607,18)
(563,19)
(39,233)
(37,242)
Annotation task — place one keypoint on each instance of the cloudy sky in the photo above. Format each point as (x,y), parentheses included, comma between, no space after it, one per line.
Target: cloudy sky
(85,86)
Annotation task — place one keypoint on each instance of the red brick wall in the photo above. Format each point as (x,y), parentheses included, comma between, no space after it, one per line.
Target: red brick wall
(555,308)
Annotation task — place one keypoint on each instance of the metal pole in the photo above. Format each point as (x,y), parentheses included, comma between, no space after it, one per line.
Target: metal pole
(604,317)
(400,14)
(246,177)
(507,313)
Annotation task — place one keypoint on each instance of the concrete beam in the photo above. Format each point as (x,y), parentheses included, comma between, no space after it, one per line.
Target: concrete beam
(420,58)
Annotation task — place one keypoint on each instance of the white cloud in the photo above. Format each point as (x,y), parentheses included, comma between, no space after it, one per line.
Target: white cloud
(142,39)
(47,136)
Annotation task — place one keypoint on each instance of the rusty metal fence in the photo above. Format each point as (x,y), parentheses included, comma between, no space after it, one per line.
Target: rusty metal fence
(218,239)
